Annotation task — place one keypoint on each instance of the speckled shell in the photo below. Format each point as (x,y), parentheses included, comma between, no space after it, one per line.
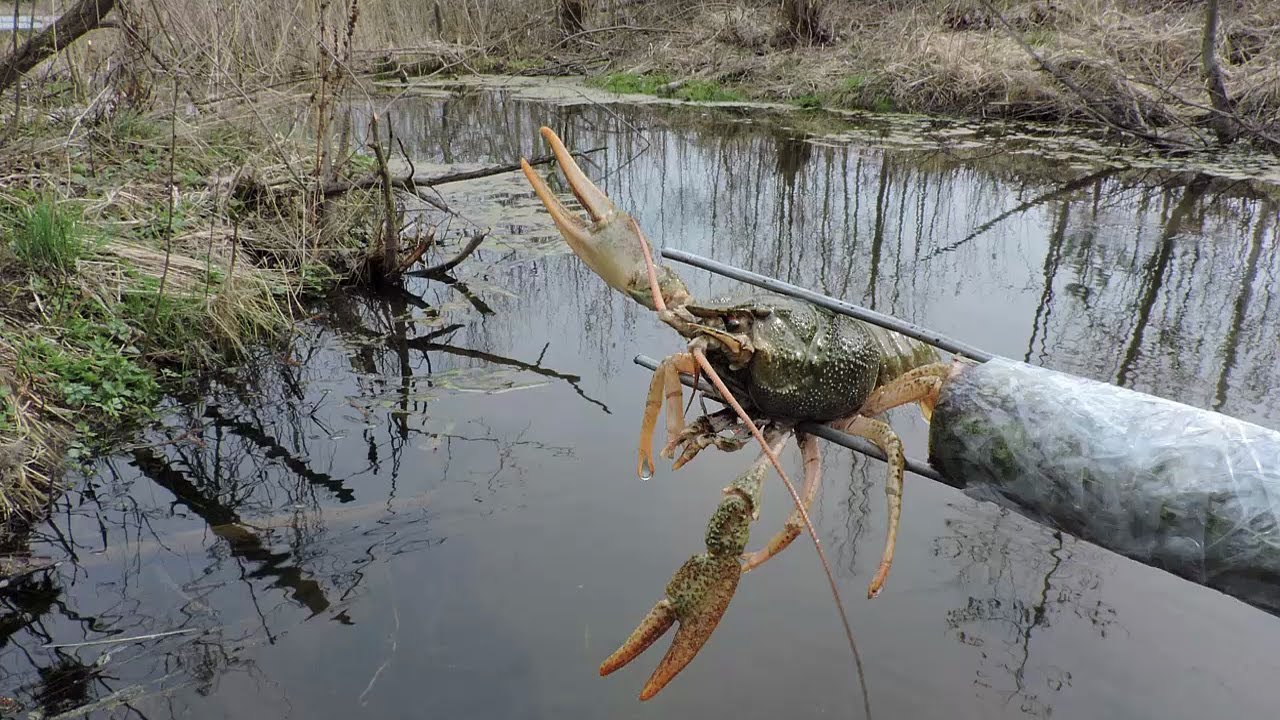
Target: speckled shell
(810,363)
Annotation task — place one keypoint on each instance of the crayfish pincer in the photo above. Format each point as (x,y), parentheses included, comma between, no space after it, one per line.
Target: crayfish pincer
(700,591)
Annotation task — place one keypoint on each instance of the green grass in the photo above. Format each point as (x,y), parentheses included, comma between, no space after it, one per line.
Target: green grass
(857,82)
(807,102)
(631,83)
(655,84)
(860,90)
(707,91)
(45,235)
(8,412)
(1039,37)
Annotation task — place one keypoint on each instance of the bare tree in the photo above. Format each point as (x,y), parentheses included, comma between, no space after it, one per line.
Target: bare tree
(1223,123)
(804,21)
(80,19)
(572,13)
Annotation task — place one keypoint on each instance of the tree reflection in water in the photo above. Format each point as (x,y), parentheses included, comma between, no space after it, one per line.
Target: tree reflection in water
(278,494)
(1035,576)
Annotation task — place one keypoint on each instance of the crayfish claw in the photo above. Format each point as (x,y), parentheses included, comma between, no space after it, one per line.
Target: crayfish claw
(697,597)
(654,626)
(699,592)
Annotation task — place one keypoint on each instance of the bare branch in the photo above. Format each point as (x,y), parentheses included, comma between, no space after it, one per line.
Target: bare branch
(1089,104)
(444,267)
(409,182)
(83,17)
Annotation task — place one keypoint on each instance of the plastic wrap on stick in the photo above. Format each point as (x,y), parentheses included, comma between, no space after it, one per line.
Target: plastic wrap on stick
(1187,490)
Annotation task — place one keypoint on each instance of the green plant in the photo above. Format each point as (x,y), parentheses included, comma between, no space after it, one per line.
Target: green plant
(46,235)
(857,81)
(1039,37)
(706,91)
(631,83)
(656,84)
(808,102)
(94,366)
(132,126)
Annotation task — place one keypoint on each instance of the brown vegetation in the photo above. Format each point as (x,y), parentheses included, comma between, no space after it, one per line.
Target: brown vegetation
(138,244)
(1135,66)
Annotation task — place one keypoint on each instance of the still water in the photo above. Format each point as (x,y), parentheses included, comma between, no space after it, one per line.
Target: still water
(428,507)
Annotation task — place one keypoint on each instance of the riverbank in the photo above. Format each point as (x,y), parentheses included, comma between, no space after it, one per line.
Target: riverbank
(138,257)
(1134,67)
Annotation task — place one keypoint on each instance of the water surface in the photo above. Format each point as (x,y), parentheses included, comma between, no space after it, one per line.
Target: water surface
(429,507)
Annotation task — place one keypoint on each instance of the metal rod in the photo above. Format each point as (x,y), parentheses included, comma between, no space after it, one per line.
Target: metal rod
(867,315)
(825,432)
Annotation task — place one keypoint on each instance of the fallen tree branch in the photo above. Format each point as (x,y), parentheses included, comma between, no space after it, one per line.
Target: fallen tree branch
(1257,133)
(84,16)
(418,252)
(411,182)
(477,237)
(1089,103)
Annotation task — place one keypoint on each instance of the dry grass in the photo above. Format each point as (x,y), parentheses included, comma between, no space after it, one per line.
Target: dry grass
(947,56)
(28,439)
(176,258)
(953,57)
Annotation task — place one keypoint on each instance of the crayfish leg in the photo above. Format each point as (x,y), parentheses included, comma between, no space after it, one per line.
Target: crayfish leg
(879,432)
(812,460)
(663,387)
(920,385)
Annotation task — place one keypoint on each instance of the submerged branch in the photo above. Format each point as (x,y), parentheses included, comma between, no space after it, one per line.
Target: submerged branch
(411,182)
(444,267)
(424,345)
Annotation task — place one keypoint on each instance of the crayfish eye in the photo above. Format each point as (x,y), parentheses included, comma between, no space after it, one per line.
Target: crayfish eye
(733,324)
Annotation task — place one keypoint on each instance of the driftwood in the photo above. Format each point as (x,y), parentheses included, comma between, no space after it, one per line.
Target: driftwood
(83,17)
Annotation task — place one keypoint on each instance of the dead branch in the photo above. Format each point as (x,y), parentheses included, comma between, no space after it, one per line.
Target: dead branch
(390,233)
(83,17)
(477,237)
(1089,104)
(413,257)
(411,182)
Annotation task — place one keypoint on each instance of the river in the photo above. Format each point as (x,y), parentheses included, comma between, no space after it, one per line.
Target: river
(428,507)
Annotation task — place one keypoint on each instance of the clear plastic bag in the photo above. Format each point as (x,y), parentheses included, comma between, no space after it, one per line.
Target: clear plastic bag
(1187,490)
